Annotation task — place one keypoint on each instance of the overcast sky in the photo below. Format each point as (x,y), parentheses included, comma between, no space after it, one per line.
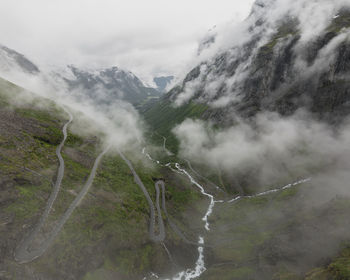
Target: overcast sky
(148,37)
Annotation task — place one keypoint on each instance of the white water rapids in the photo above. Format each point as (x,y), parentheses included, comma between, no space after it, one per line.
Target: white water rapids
(212,202)
(200,264)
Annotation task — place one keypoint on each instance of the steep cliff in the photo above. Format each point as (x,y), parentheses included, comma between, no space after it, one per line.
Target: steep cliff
(275,69)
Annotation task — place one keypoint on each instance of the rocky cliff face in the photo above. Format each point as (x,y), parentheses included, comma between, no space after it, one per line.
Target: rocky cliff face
(11,60)
(276,68)
(283,58)
(270,63)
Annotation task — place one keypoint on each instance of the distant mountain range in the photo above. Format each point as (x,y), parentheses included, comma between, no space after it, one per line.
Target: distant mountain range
(108,84)
(102,85)
(163,82)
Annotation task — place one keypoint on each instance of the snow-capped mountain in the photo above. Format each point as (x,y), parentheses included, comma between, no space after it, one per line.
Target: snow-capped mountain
(108,84)
(104,85)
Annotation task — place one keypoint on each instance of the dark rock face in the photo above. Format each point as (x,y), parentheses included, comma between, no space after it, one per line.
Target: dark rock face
(19,60)
(282,74)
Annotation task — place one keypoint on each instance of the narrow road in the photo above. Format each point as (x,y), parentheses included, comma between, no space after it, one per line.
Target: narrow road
(28,240)
(158,185)
(23,253)
(153,236)
(171,224)
(164,145)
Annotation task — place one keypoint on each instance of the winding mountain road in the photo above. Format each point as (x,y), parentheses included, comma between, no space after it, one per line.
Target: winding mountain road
(25,254)
(164,145)
(23,247)
(171,224)
(159,187)
(153,236)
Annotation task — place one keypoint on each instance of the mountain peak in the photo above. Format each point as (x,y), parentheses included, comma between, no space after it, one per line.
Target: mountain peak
(11,60)
(163,82)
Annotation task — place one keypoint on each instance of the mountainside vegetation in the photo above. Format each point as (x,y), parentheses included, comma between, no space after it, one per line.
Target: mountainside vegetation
(300,233)
(272,82)
(100,240)
(252,148)
(162,116)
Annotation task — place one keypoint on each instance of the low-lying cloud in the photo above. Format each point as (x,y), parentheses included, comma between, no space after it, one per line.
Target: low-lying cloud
(115,121)
(236,46)
(150,38)
(270,149)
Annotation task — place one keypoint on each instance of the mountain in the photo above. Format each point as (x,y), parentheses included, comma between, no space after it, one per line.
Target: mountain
(11,60)
(109,84)
(279,67)
(271,103)
(273,69)
(163,82)
(107,234)
(207,41)
(242,174)
(104,85)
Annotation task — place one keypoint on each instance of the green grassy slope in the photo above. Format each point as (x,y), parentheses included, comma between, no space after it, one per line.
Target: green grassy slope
(163,116)
(106,237)
(108,233)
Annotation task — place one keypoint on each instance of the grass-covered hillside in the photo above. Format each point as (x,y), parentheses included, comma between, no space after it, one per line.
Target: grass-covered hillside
(271,81)
(288,235)
(162,116)
(297,234)
(107,235)
(283,236)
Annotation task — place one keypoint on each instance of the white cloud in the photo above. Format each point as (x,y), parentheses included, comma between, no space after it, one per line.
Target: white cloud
(148,37)
(115,122)
(191,88)
(272,146)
